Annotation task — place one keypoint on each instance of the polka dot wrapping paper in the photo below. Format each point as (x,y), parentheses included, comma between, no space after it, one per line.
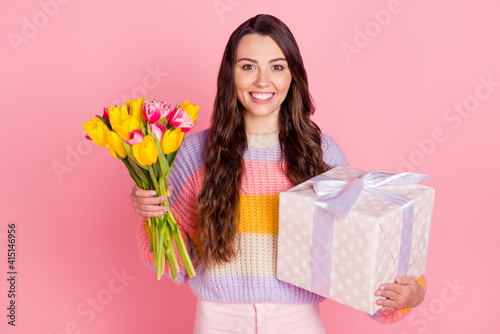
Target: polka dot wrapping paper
(362,250)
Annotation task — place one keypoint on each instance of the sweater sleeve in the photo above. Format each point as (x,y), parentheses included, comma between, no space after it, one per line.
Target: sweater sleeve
(332,154)
(184,178)
(388,317)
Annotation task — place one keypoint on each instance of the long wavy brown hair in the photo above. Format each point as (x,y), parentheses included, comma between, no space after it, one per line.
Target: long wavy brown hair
(300,141)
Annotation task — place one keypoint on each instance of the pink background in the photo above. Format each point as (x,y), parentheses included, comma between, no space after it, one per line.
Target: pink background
(386,103)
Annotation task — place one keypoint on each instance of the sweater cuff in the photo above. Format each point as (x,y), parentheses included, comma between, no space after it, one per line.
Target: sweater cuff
(388,317)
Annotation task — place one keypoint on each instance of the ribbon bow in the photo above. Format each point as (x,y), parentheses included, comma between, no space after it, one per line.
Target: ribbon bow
(338,198)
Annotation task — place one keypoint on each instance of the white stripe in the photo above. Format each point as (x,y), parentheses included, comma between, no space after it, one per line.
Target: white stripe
(257,256)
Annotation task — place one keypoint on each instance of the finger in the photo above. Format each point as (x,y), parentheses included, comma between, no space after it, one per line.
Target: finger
(143,192)
(398,288)
(150,200)
(406,280)
(388,309)
(170,190)
(389,295)
(147,214)
(141,208)
(132,194)
(150,208)
(389,303)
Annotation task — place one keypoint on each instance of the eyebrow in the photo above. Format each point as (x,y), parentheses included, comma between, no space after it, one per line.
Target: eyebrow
(254,61)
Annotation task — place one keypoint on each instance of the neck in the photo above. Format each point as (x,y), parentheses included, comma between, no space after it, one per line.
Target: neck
(263,139)
(261,124)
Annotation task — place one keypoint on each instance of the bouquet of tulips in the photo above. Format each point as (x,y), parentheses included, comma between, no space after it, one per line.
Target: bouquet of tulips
(146,136)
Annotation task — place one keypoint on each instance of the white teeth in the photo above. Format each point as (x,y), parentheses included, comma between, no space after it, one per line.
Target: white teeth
(262,96)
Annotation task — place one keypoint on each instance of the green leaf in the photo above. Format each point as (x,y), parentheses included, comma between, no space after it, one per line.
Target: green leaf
(163,121)
(152,177)
(108,124)
(140,173)
(130,155)
(171,157)
(144,130)
(132,172)
(162,184)
(156,169)
(161,157)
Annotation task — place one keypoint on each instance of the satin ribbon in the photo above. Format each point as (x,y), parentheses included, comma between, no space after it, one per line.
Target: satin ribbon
(338,198)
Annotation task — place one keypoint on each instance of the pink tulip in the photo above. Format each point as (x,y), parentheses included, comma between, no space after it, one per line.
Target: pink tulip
(136,137)
(154,110)
(158,130)
(105,114)
(180,119)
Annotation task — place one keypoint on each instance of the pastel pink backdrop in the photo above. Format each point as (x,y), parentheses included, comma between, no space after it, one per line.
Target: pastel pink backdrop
(385,103)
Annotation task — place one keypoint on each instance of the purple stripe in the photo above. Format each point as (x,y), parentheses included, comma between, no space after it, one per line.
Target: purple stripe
(332,154)
(248,289)
(322,251)
(187,161)
(271,153)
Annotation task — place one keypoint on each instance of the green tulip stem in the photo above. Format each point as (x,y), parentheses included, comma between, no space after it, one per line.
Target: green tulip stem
(153,178)
(181,247)
(158,254)
(158,241)
(152,229)
(171,243)
(171,255)
(162,261)
(167,236)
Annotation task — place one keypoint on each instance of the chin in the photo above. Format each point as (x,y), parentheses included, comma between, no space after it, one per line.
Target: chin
(260,113)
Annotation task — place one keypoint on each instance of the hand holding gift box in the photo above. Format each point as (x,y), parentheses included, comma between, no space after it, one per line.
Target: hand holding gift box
(344,232)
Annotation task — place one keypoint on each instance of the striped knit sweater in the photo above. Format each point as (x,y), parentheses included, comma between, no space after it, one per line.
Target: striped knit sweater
(251,276)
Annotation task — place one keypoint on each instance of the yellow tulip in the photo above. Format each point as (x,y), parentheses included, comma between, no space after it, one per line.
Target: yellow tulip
(115,145)
(191,109)
(146,152)
(126,125)
(96,130)
(136,110)
(117,115)
(171,141)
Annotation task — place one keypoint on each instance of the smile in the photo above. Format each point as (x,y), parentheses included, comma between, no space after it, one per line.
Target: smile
(262,96)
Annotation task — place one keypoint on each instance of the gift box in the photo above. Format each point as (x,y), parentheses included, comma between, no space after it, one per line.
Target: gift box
(344,232)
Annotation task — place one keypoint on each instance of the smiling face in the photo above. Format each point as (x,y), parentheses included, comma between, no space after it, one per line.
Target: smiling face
(262,80)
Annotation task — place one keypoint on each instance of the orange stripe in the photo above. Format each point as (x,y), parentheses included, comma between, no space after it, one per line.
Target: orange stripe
(259,214)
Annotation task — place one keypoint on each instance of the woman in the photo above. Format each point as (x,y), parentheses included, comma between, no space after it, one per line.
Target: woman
(224,190)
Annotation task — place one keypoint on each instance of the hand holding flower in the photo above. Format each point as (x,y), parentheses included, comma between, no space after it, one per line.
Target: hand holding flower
(145,136)
(146,204)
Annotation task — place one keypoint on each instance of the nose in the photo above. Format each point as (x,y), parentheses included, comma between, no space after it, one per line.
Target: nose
(262,79)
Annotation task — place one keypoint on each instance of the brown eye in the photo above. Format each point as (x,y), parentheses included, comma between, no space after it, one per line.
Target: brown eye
(247,67)
(277,67)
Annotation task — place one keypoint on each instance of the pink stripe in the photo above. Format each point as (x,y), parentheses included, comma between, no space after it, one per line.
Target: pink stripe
(264,177)
(259,177)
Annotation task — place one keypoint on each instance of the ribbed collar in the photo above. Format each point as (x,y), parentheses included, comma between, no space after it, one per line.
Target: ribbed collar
(263,140)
